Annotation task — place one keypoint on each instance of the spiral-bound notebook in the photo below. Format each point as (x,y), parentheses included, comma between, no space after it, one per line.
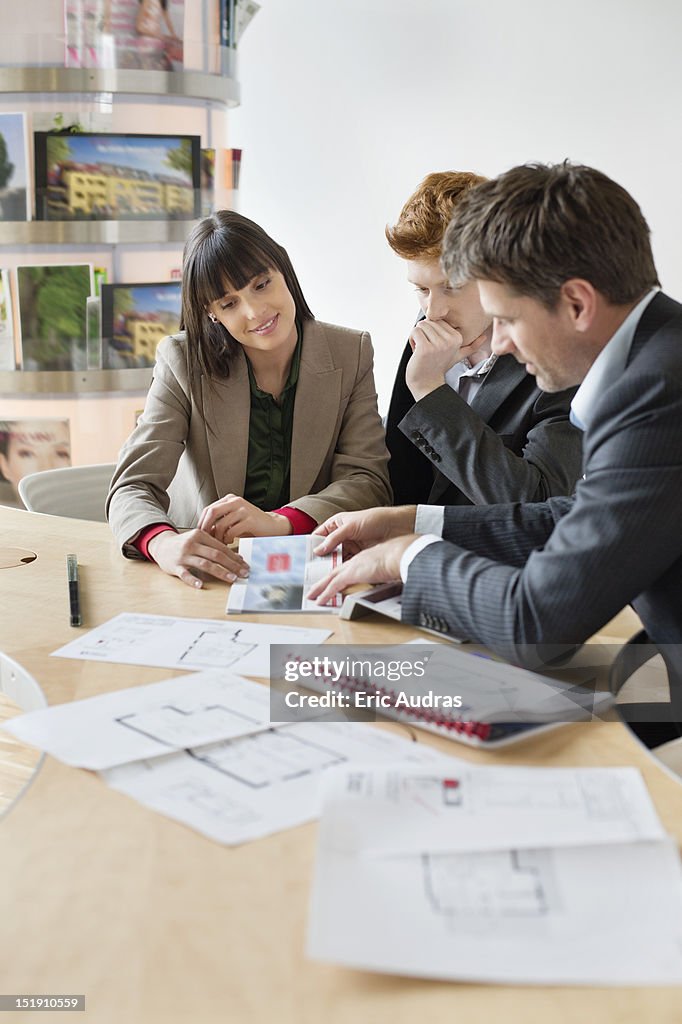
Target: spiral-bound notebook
(500,703)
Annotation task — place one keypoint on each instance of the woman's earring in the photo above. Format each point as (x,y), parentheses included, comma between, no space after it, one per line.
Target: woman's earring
(212,318)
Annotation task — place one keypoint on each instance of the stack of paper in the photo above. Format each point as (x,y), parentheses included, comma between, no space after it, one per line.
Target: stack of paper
(510,875)
(201,749)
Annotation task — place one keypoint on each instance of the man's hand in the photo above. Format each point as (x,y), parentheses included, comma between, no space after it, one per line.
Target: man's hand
(184,554)
(232,517)
(435,348)
(360,530)
(380,564)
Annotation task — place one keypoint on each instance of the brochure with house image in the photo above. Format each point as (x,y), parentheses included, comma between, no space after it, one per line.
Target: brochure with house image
(282,571)
(135,317)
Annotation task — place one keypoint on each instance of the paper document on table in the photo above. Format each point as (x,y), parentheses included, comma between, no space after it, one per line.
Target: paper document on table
(147,721)
(281,572)
(596,915)
(246,788)
(607,912)
(192,644)
(480,807)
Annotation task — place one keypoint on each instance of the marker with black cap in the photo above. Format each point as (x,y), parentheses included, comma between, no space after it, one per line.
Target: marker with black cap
(74,592)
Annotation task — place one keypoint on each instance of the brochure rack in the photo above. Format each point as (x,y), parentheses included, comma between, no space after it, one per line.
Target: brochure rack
(102,404)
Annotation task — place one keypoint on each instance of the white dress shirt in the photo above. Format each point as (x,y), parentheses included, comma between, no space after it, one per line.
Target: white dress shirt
(608,365)
(465,379)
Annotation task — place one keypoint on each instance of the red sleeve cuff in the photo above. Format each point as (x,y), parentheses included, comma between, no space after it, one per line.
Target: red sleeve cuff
(301,522)
(141,542)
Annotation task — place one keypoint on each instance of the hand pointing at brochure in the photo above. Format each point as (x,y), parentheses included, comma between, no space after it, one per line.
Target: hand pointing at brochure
(379,564)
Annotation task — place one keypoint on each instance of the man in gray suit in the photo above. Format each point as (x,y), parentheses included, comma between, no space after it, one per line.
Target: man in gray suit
(563,262)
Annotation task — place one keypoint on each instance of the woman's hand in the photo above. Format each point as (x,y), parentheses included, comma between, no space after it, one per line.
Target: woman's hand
(184,554)
(232,517)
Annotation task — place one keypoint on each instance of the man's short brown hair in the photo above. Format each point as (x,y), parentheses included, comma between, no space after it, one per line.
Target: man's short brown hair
(418,233)
(539,225)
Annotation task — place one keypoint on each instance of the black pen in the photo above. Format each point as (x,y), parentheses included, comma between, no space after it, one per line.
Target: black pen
(74,593)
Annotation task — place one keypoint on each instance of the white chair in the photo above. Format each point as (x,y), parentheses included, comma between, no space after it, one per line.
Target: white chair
(18,684)
(76,492)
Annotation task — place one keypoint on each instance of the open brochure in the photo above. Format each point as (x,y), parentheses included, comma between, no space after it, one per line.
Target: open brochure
(282,571)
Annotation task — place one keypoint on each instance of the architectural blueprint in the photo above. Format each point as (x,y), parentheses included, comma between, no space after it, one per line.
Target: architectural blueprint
(147,721)
(168,642)
(248,787)
(506,905)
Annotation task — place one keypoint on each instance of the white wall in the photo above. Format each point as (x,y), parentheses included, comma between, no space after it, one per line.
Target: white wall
(347,105)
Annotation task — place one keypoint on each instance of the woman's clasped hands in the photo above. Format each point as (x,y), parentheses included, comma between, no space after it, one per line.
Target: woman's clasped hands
(232,517)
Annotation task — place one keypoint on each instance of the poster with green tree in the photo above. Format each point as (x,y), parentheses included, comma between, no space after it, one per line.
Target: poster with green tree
(52,304)
(13,179)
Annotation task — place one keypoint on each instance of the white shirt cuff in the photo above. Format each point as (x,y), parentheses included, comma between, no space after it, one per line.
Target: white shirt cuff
(415,547)
(429,519)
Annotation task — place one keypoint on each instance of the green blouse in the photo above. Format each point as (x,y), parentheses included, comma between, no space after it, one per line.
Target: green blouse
(268,464)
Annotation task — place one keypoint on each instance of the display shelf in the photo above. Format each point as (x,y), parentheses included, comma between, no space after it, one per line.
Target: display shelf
(101,407)
(41,383)
(181,84)
(95,232)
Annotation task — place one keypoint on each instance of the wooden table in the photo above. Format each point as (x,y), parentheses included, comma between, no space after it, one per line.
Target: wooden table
(157,925)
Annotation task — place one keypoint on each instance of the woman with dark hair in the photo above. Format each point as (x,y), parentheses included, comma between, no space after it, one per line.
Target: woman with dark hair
(260,420)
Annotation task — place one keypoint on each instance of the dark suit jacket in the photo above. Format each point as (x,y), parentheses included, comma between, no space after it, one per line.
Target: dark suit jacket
(514,443)
(554,572)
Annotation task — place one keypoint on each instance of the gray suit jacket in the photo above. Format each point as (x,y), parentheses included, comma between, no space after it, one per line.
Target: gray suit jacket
(553,573)
(514,443)
(185,454)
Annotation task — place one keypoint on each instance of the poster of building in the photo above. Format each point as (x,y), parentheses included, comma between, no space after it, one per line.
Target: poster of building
(135,317)
(87,176)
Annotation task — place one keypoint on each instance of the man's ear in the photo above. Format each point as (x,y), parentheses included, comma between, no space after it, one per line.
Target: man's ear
(580,301)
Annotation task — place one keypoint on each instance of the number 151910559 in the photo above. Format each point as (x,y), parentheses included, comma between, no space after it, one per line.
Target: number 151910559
(42,1002)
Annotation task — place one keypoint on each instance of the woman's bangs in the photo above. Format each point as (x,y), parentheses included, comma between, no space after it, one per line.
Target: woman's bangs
(232,265)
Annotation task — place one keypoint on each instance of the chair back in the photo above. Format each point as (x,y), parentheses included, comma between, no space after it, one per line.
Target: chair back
(18,684)
(632,656)
(75,492)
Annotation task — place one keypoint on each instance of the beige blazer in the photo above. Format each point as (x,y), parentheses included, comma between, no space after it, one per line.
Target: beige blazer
(183,454)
